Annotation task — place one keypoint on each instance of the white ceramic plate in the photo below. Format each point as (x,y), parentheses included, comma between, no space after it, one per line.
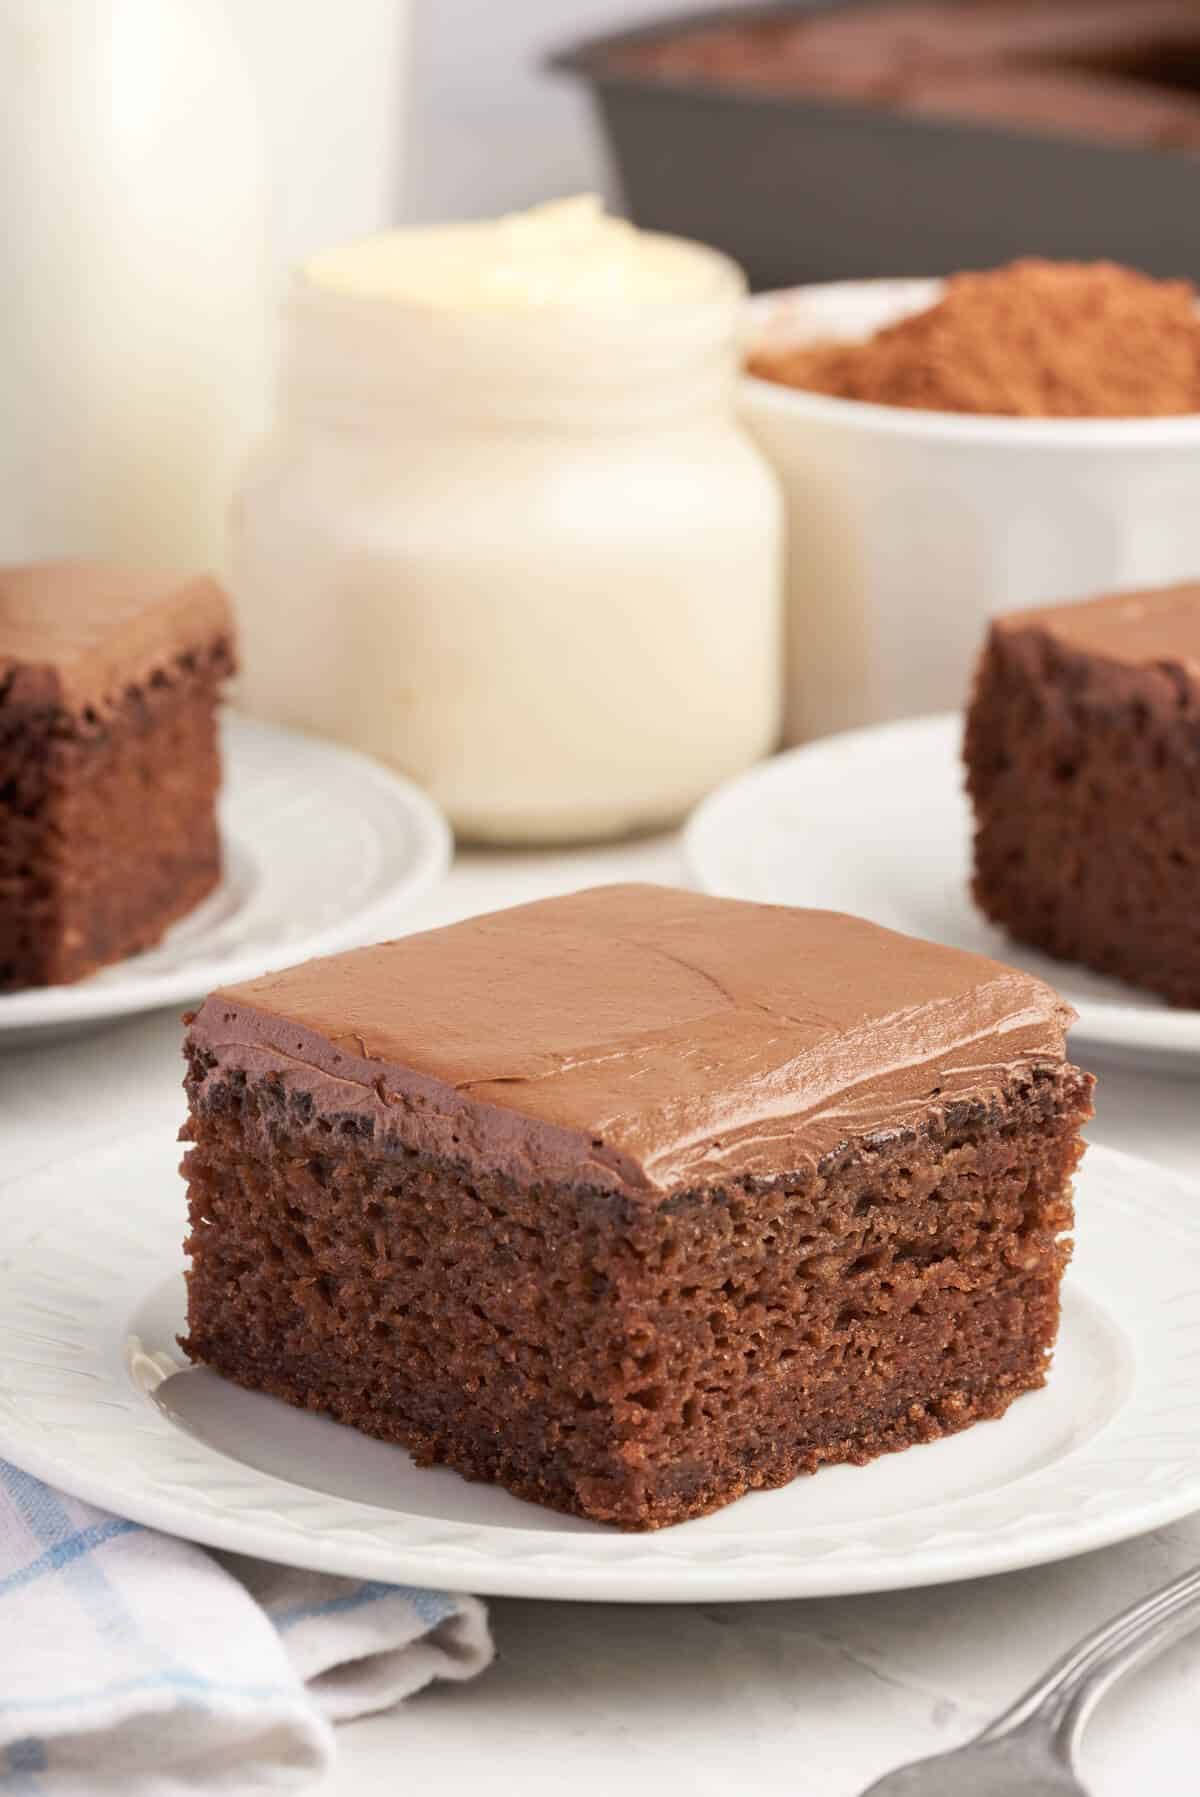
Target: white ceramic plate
(323,848)
(877,822)
(92,1397)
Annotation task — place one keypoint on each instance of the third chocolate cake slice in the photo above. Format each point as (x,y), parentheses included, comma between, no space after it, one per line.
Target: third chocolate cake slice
(1083,763)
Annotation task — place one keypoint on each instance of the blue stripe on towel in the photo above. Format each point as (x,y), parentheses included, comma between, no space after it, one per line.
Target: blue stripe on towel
(71,1547)
(49,1522)
(431,1607)
(186,1685)
(71,1550)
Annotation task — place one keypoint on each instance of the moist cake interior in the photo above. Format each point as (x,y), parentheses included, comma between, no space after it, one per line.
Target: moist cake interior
(1082,743)
(109,764)
(803,1201)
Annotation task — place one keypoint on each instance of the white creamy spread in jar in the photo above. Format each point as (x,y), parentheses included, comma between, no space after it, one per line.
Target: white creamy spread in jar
(507,535)
(565,253)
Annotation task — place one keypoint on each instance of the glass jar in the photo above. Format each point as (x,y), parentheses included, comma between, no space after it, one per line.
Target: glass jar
(524,555)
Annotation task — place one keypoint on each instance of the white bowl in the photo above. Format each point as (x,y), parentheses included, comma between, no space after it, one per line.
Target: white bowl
(907,530)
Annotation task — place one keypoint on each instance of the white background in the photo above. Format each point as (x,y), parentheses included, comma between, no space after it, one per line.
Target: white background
(488,130)
(423,109)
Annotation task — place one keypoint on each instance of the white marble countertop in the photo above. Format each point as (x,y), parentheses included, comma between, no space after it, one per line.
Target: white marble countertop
(809,1699)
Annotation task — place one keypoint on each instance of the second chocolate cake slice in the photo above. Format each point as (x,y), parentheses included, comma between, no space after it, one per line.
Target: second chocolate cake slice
(634,1201)
(109,763)
(1083,765)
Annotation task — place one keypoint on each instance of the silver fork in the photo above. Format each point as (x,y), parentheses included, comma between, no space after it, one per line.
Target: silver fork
(1029,1751)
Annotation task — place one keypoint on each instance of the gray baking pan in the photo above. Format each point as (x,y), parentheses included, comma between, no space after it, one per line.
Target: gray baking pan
(797,189)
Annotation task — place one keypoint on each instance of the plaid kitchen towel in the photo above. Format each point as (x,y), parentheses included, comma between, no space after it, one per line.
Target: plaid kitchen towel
(132,1662)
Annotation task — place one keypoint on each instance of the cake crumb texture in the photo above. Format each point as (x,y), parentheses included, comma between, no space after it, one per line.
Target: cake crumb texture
(636,1365)
(109,764)
(1083,765)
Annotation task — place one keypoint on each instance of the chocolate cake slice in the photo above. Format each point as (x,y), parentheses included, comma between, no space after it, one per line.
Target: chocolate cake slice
(634,1201)
(108,763)
(1083,764)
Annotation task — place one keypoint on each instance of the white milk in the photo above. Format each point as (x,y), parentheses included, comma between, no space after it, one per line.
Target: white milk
(136,292)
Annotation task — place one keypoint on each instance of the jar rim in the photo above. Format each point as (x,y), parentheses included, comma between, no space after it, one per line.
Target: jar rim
(522,364)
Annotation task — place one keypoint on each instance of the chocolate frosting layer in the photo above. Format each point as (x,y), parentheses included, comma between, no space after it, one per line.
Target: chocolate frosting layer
(640,1039)
(77,633)
(1158,628)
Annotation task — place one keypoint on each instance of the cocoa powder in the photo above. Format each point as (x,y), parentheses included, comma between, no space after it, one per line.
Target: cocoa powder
(1035,339)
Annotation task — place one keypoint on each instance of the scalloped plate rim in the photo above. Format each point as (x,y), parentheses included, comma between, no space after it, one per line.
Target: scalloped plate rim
(1065,1507)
